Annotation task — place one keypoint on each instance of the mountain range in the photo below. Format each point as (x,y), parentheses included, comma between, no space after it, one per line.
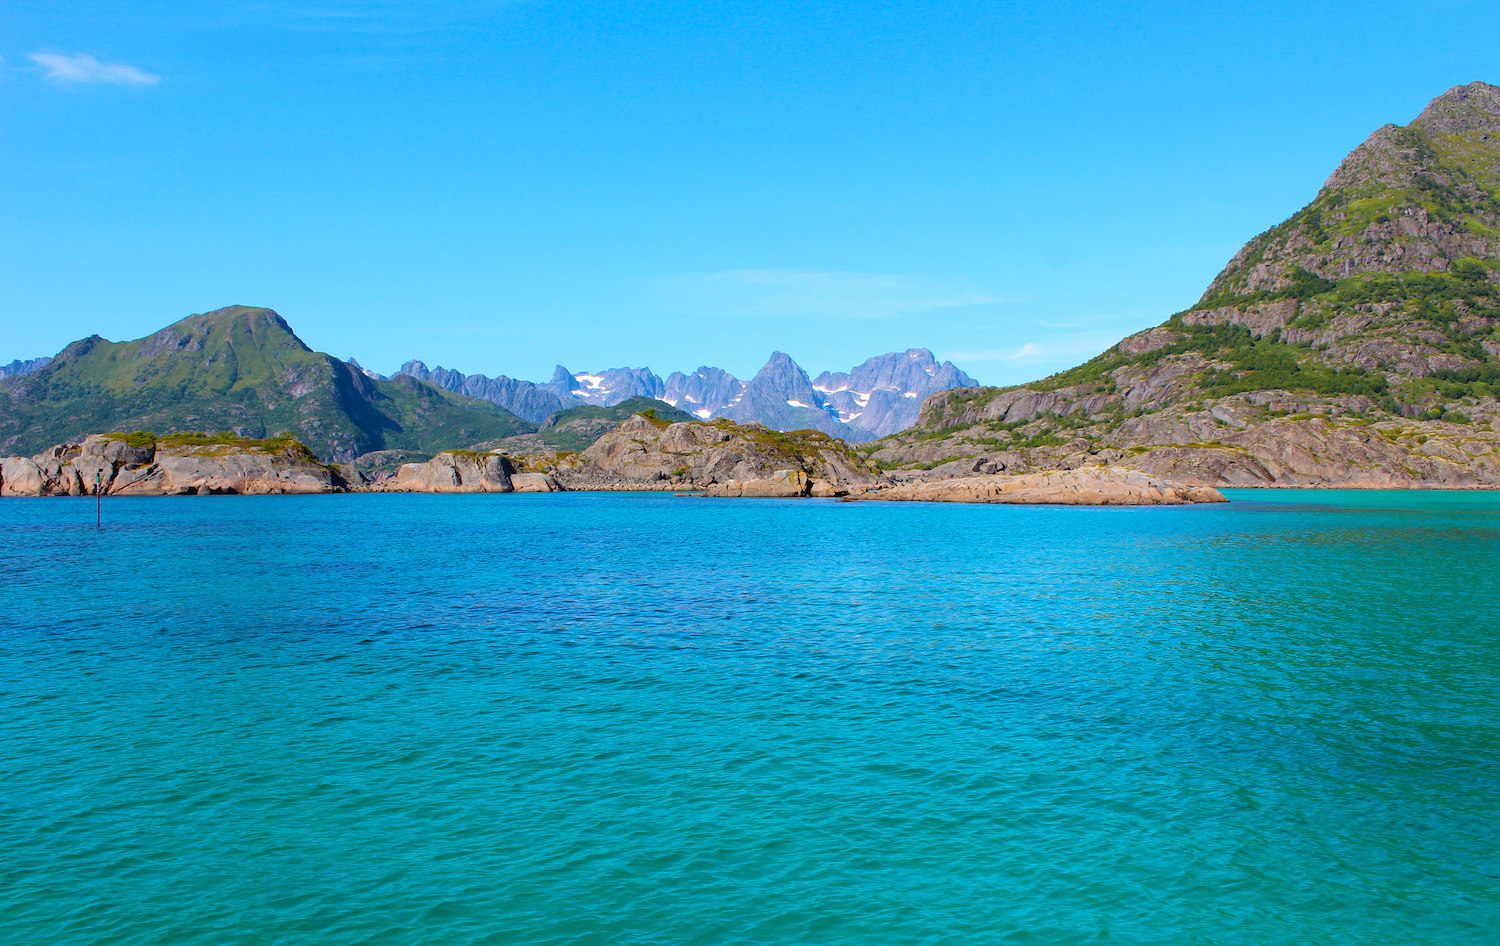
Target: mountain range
(879,397)
(1355,342)
(244,370)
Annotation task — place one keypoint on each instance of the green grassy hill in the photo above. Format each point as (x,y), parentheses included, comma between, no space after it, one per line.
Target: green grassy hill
(238,369)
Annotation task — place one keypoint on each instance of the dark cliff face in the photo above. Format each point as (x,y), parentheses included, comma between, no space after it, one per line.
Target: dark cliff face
(1355,342)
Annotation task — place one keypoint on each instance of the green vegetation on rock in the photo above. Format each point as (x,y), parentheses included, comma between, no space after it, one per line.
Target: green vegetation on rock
(217,444)
(243,370)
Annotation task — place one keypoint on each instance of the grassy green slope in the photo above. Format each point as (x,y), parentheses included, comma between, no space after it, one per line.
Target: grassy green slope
(240,369)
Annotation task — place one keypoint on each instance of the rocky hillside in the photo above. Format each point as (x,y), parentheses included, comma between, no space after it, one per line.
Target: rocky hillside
(242,370)
(1354,343)
(878,397)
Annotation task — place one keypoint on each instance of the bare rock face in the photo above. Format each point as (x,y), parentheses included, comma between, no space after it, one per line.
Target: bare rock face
(783,484)
(1323,450)
(534,483)
(1098,487)
(722,458)
(22,477)
(109,465)
(244,474)
(456,473)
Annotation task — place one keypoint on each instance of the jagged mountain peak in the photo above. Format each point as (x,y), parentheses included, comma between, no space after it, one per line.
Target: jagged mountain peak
(1418,197)
(781,373)
(780,363)
(1463,108)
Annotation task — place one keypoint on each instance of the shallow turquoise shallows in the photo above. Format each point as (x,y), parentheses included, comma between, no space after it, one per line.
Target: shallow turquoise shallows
(633,719)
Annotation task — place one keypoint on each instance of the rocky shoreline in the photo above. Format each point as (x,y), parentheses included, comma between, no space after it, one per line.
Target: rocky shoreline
(644,453)
(1099,487)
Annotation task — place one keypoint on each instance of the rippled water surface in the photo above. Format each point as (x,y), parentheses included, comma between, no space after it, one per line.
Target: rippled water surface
(632,719)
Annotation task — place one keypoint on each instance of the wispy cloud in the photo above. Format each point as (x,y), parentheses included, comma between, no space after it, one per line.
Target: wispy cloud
(825,294)
(85,68)
(1046,351)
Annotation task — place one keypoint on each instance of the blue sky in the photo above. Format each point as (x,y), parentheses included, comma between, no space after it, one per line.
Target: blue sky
(498,187)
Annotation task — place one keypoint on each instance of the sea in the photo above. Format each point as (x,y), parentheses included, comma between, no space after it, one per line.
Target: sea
(605,718)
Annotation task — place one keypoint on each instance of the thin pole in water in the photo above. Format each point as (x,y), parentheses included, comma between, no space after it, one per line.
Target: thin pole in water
(98,500)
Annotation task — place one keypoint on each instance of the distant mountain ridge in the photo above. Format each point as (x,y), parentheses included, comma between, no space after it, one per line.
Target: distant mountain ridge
(19,367)
(879,397)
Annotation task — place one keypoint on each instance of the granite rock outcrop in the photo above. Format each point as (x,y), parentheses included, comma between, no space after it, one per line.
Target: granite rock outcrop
(464,471)
(112,465)
(453,472)
(722,457)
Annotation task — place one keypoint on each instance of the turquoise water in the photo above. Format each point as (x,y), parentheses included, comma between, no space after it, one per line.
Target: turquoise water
(633,719)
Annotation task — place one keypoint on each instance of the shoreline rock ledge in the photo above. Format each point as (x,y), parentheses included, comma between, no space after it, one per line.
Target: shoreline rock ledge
(465,471)
(1099,487)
